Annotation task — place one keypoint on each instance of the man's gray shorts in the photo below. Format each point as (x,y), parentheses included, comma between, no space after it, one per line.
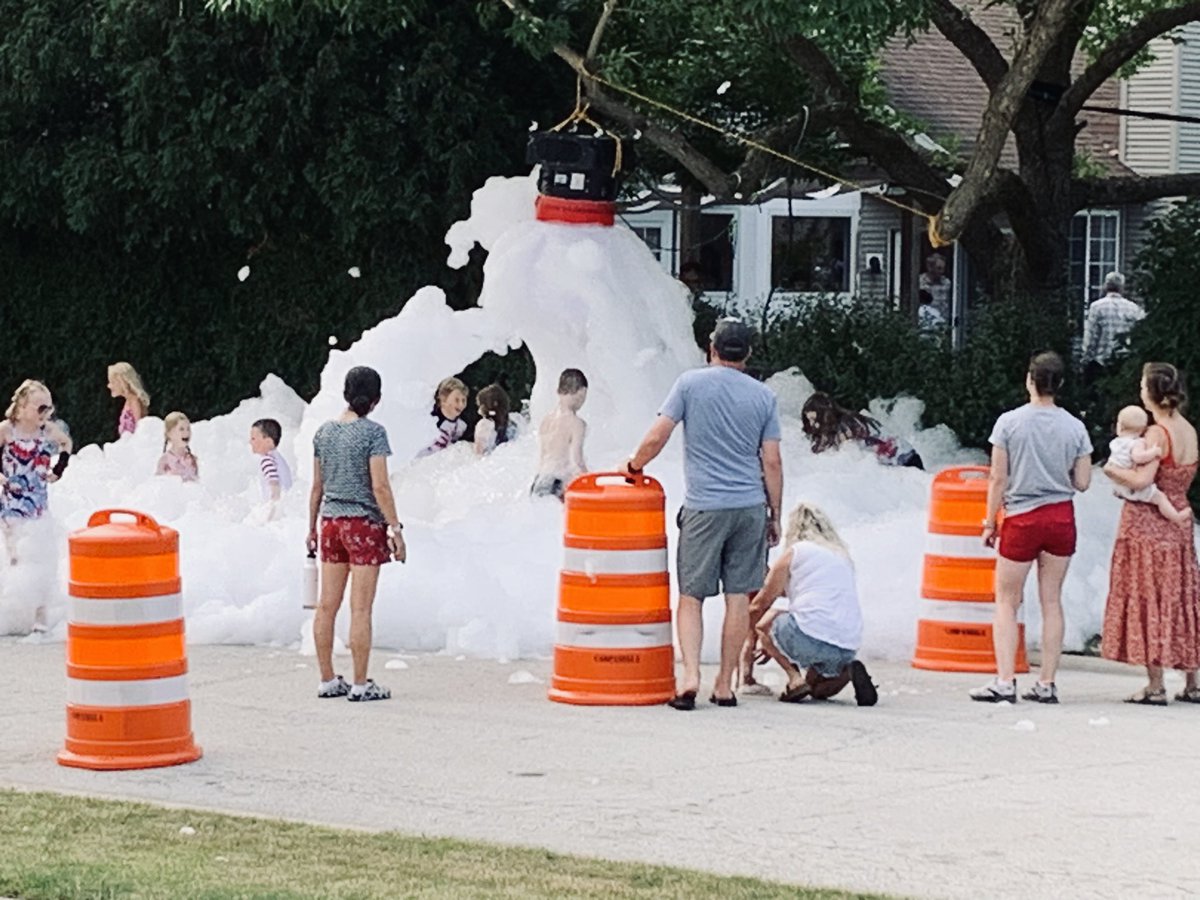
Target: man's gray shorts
(721,549)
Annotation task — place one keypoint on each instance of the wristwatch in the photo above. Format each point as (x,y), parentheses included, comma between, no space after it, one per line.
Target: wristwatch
(396,528)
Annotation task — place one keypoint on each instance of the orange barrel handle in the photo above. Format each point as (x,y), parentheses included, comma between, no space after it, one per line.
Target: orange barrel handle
(613,642)
(591,481)
(104,517)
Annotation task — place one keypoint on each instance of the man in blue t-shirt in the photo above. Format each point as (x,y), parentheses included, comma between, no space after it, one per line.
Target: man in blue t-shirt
(734,484)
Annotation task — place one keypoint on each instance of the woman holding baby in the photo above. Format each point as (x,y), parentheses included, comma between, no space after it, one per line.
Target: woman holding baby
(1152,617)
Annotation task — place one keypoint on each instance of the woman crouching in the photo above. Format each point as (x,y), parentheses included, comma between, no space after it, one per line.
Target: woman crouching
(821,629)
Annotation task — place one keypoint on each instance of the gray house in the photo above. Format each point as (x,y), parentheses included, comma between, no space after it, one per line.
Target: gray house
(793,241)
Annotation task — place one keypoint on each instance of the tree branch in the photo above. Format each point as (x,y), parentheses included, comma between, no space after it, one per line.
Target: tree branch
(598,32)
(674,145)
(1121,51)
(972,41)
(885,146)
(1003,105)
(1089,192)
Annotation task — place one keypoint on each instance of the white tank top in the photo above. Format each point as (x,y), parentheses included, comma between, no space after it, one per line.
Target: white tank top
(822,596)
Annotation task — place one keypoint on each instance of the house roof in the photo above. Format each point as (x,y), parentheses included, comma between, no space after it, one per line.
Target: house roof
(931,80)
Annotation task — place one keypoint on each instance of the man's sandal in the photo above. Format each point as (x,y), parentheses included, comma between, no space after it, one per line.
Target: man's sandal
(1147,697)
(1189,695)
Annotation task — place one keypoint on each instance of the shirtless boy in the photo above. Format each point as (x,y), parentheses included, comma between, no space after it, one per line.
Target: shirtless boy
(560,438)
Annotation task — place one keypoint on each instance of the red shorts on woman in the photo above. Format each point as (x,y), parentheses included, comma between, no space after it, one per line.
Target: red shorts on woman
(1047,529)
(355,540)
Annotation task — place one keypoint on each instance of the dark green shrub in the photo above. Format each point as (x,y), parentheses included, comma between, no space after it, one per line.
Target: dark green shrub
(857,353)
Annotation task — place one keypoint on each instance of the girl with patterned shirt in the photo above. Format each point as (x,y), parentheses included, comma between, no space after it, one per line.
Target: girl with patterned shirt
(359,529)
(29,444)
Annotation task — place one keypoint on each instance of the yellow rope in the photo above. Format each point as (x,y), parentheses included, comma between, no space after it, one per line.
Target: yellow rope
(750,142)
(580,115)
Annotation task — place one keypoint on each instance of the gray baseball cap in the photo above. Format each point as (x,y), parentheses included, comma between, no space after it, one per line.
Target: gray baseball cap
(732,339)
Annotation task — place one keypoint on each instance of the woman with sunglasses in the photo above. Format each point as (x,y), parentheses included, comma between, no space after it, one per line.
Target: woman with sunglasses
(34,451)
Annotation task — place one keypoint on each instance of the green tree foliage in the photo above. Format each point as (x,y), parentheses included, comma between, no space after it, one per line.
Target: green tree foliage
(804,79)
(150,148)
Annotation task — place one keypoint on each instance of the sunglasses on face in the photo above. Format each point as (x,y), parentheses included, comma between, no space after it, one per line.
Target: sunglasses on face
(45,409)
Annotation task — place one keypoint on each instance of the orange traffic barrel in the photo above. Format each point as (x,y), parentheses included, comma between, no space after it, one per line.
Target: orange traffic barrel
(613,643)
(127,696)
(958,599)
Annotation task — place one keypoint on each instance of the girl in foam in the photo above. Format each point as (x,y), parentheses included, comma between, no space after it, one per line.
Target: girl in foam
(124,382)
(449,401)
(29,443)
(494,426)
(829,425)
(177,458)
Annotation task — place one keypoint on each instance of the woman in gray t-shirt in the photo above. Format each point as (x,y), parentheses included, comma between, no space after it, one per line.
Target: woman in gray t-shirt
(359,529)
(1041,455)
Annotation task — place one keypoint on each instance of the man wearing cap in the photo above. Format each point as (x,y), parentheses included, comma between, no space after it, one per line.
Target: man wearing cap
(733,475)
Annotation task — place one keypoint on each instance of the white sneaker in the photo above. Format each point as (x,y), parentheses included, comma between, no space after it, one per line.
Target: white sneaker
(996,691)
(338,687)
(1041,693)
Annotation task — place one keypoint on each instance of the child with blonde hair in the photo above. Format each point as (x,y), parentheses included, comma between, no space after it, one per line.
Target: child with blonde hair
(449,401)
(30,441)
(494,426)
(1128,450)
(820,631)
(124,382)
(177,458)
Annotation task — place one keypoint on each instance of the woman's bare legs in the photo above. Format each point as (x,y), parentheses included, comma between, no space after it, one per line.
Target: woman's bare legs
(333,586)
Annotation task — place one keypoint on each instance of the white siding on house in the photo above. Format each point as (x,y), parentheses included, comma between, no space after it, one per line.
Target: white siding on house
(875,222)
(1189,97)
(1149,147)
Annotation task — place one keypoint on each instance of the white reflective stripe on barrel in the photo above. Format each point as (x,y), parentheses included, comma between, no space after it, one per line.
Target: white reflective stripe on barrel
(639,637)
(614,562)
(966,611)
(134,611)
(962,546)
(144,692)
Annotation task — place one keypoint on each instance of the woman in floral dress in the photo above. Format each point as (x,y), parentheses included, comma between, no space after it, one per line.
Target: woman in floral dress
(1152,618)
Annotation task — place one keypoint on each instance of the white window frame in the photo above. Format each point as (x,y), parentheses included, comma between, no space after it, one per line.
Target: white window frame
(664,221)
(1090,293)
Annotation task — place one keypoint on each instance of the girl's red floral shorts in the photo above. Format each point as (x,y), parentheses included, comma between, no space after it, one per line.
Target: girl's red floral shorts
(355,540)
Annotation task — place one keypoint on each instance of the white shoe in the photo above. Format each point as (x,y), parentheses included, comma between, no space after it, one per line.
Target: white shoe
(996,691)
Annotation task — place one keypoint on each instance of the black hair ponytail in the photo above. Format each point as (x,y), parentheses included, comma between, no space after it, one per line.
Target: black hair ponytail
(362,390)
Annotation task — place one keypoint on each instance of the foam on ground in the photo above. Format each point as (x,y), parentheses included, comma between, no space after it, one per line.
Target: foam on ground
(481,579)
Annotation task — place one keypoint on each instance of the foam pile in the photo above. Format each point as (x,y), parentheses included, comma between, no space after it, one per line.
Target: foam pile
(481,579)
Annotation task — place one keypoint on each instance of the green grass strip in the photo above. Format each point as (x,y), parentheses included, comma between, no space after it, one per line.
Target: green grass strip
(74,848)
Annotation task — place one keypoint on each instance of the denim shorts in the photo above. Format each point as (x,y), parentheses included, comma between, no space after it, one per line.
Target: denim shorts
(808,652)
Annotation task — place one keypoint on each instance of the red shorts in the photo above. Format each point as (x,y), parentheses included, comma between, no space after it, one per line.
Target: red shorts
(355,540)
(1047,529)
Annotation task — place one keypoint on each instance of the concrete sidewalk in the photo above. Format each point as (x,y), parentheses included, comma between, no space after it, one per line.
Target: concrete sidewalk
(926,794)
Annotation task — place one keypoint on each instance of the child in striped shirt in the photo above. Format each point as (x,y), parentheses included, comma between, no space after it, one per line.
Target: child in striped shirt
(274,472)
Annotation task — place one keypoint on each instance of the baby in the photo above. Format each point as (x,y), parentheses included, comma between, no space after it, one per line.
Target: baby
(560,438)
(177,458)
(1128,450)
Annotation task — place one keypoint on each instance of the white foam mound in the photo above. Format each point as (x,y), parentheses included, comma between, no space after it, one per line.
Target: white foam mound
(483,557)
